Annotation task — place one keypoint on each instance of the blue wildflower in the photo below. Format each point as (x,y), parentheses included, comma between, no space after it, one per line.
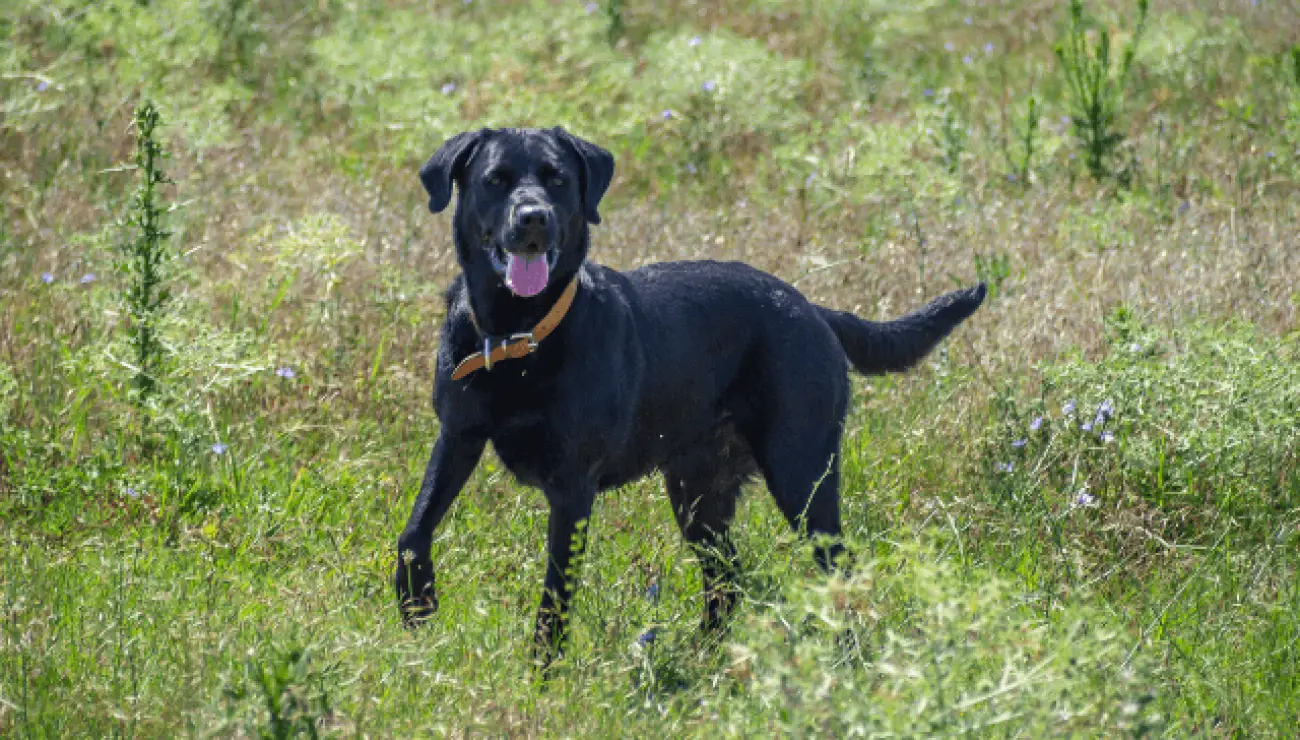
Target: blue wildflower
(988,48)
(947,46)
(808,181)
(219,448)
(1083,499)
(1182,208)
(695,41)
(1005,467)
(1106,409)
(1086,426)
(1068,408)
(1036,424)
(968,20)
(652,591)
(449,88)
(669,114)
(967,59)
(709,86)
(592,8)
(43,86)
(648,637)
(1107,436)
(88,278)
(133,492)
(928,92)
(690,168)
(1019,443)
(47,277)
(286,372)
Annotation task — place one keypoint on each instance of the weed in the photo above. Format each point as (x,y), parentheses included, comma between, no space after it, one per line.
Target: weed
(1096,85)
(145,256)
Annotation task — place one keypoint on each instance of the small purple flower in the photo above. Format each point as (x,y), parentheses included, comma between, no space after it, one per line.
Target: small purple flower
(88,278)
(133,492)
(1083,499)
(968,20)
(1135,348)
(1011,176)
(652,591)
(43,86)
(1036,424)
(947,46)
(669,114)
(1182,207)
(1065,120)
(808,181)
(1068,408)
(592,8)
(1073,156)
(648,637)
(695,41)
(709,86)
(286,372)
(967,60)
(47,277)
(449,88)
(1019,443)
(1107,436)
(1269,155)
(1005,467)
(690,167)
(1106,409)
(219,448)
(988,48)
(1086,426)
(928,92)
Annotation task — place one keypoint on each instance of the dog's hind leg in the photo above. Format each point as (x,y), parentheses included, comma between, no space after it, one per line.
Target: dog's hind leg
(802,469)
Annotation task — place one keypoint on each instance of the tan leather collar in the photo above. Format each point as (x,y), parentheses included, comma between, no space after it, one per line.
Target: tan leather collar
(517,345)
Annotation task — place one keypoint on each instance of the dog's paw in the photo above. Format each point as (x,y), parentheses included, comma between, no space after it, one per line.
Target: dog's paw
(417,599)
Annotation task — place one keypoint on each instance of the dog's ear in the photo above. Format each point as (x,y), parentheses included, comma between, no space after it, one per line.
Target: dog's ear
(597,171)
(446,165)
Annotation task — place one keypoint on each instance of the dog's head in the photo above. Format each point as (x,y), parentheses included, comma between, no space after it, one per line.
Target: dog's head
(526,197)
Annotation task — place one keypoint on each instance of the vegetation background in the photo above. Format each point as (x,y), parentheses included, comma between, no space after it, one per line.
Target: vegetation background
(1080,518)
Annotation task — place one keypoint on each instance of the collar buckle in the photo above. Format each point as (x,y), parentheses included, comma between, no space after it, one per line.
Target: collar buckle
(527,336)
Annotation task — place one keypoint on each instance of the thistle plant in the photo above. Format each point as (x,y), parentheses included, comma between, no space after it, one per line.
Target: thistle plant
(145,254)
(1096,85)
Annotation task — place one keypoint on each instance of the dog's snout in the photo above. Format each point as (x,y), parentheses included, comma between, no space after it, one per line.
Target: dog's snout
(533,217)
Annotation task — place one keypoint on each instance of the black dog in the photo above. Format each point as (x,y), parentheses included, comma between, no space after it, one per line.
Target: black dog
(707,371)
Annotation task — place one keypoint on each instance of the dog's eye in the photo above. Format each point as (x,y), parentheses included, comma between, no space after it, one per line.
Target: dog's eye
(557,181)
(494,180)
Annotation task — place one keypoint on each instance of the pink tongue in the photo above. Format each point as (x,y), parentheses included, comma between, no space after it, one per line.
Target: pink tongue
(527,276)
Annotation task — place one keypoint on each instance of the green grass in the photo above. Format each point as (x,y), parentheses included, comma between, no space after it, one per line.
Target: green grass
(1134,579)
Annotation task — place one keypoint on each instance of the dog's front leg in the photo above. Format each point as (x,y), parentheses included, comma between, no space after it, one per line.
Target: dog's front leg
(453,459)
(566,540)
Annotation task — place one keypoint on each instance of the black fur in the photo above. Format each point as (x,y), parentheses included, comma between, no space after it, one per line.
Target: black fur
(706,371)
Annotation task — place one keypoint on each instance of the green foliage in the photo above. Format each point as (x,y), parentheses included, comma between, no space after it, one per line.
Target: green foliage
(145,255)
(293,695)
(911,646)
(1096,85)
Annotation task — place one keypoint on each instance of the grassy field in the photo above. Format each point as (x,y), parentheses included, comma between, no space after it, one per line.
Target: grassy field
(1079,518)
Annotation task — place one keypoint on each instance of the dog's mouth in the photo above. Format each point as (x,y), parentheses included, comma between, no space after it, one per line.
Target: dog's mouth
(526,273)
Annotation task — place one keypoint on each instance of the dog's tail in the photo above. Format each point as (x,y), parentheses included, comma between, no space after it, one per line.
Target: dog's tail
(876,347)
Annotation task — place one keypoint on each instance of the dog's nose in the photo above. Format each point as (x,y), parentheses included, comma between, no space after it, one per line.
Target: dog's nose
(533,217)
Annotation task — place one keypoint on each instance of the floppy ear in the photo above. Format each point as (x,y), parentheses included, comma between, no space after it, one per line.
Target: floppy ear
(597,171)
(446,165)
